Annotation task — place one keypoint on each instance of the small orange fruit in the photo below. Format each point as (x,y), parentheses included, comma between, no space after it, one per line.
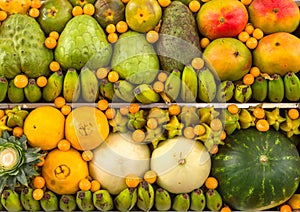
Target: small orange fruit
(197,63)
(150,176)
(124,110)
(225,209)
(66,109)
(101,73)
(251,43)
(54,34)
(121,27)
(2,113)
(162,76)
(18,131)
(134,108)
(3,15)
(95,185)
(132,180)
(42,161)
(39,182)
(54,66)
(174,109)
(21,81)
(112,37)
(199,129)
(249,28)
(84,184)
(77,10)
(233,109)
(293,113)
(246,2)
(243,36)
(36,4)
(102,104)
(113,76)
(59,102)
(188,132)
(211,183)
(255,71)
(152,36)
(285,208)
(262,125)
(50,42)
(258,33)
(110,113)
(89,9)
(38,194)
(259,112)
(214,150)
(87,155)
(164,3)
(223,135)
(204,42)
(64,145)
(158,86)
(41,81)
(194,6)
(34,12)
(216,124)
(138,135)
(248,79)
(110,28)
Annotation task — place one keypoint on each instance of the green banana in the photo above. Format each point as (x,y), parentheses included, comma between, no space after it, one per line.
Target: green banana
(145,200)
(207,86)
(28,203)
(10,200)
(32,91)
(126,199)
(49,202)
(71,86)
(225,91)
(173,84)
(145,94)
(189,84)
(89,85)
(67,202)
(163,200)
(54,86)
(213,200)
(15,95)
(246,119)
(198,200)
(106,89)
(276,88)
(260,89)
(291,87)
(124,90)
(84,200)
(3,88)
(102,200)
(242,93)
(181,202)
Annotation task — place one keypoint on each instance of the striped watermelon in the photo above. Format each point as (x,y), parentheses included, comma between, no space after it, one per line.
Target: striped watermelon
(256,170)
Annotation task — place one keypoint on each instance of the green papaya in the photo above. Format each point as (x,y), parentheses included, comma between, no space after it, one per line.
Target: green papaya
(179,40)
(54,14)
(22,48)
(83,43)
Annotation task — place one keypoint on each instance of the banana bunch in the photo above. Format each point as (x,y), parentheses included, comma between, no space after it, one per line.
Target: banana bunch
(189,84)
(145,196)
(15,116)
(71,85)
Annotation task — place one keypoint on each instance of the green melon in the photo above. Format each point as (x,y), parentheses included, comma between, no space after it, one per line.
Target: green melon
(256,170)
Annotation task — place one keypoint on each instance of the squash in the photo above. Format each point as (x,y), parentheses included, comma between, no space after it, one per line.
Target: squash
(116,158)
(181,164)
(256,170)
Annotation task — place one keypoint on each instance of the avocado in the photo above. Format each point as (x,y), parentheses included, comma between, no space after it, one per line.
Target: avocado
(83,43)
(22,48)
(179,40)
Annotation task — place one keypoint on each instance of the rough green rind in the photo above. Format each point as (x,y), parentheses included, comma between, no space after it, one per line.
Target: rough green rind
(83,43)
(246,183)
(179,39)
(135,59)
(22,48)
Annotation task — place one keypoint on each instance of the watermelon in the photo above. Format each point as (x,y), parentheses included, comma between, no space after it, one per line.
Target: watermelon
(256,170)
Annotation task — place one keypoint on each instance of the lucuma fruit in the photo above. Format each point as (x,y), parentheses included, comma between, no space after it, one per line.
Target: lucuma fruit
(135,59)
(83,43)
(22,48)
(268,159)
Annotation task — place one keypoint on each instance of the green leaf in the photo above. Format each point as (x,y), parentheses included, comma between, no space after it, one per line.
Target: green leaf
(21,177)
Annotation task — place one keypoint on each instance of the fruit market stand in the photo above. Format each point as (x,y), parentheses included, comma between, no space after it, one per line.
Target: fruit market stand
(149,105)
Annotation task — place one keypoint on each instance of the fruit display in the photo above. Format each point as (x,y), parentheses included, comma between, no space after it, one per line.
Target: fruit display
(149,105)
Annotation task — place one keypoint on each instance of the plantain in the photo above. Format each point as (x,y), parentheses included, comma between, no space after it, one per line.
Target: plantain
(3,88)
(291,87)
(225,91)
(213,200)
(145,192)
(106,89)
(32,91)
(172,85)
(276,88)
(102,200)
(50,201)
(67,202)
(71,85)
(126,199)
(145,94)
(89,85)
(162,200)
(124,91)
(207,86)
(84,200)
(10,200)
(181,202)
(260,89)
(27,200)
(189,84)
(14,94)
(198,200)
(242,93)
(54,86)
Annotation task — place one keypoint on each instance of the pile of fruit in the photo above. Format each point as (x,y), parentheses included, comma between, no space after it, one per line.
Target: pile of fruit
(149,105)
